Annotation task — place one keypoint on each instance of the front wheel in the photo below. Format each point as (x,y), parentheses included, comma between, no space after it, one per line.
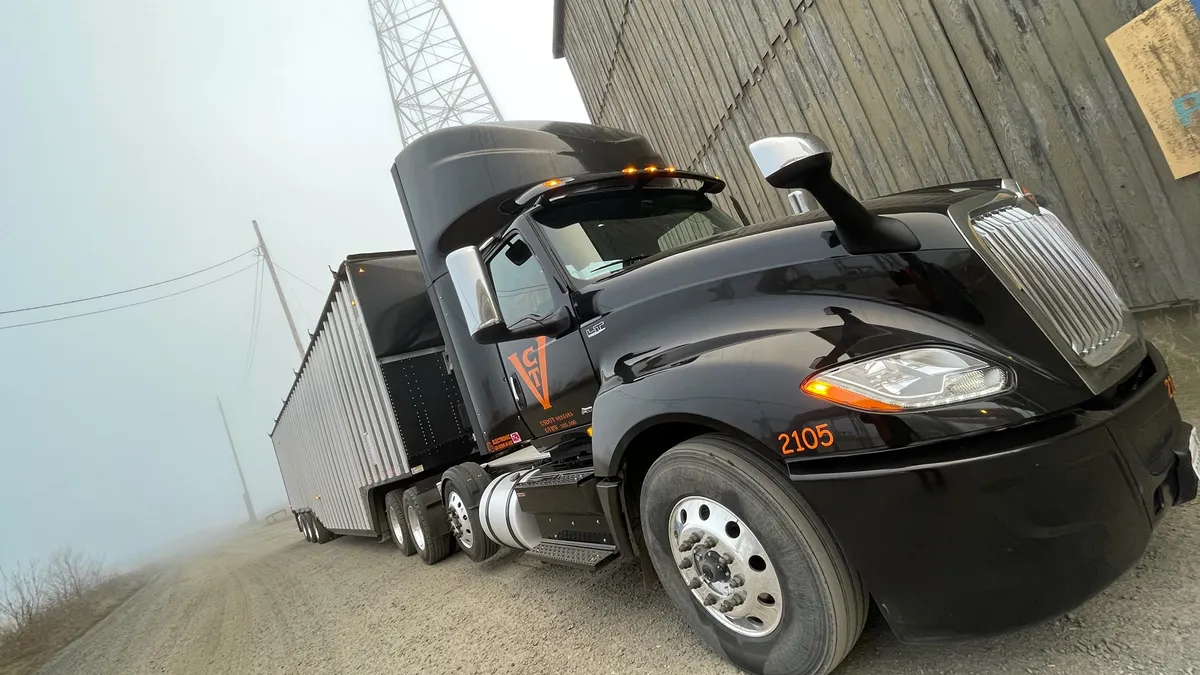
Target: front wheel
(747,561)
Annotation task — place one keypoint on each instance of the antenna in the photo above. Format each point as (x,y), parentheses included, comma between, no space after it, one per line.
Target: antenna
(432,80)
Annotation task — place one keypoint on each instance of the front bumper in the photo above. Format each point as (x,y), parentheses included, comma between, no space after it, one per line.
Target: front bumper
(1017,526)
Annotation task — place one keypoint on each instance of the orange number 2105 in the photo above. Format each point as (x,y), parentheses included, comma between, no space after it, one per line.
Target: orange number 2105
(808,438)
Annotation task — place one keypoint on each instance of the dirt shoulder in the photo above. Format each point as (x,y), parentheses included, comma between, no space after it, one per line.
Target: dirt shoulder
(25,652)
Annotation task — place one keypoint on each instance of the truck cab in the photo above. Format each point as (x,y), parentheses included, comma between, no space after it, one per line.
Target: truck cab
(934,399)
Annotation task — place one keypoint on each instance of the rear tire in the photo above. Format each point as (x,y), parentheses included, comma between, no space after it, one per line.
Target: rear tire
(322,533)
(797,607)
(431,544)
(393,504)
(464,485)
(306,521)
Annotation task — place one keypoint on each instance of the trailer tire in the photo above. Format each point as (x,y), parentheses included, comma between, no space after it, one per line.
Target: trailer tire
(306,523)
(393,505)
(802,607)
(432,540)
(322,533)
(461,492)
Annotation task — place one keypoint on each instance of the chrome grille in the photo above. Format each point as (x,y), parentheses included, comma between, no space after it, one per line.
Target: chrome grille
(1060,278)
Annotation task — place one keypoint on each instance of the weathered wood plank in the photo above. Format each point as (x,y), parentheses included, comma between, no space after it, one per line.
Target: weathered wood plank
(859,72)
(698,78)
(825,65)
(874,25)
(578,34)
(934,44)
(659,70)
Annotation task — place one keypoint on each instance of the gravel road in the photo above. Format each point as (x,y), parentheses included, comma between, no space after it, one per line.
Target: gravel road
(265,601)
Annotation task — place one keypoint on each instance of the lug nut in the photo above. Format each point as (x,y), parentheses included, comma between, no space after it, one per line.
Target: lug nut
(687,544)
(727,558)
(694,583)
(730,603)
(710,600)
(685,563)
(708,542)
(737,581)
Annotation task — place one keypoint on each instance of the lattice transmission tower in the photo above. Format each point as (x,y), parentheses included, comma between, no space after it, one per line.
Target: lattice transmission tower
(430,74)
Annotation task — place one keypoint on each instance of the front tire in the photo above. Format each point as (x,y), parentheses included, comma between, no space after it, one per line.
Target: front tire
(393,504)
(747,561)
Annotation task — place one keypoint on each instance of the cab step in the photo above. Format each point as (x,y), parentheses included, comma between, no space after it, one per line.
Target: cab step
(590,557)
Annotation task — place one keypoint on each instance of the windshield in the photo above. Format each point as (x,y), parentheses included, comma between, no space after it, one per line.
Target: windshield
(604,234)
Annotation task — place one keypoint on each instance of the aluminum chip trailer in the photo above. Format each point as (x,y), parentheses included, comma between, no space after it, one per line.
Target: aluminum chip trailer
(373,405)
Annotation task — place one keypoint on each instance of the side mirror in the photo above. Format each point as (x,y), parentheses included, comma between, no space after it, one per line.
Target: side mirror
(481,308)
(792,160)
(804,162)
(475,293)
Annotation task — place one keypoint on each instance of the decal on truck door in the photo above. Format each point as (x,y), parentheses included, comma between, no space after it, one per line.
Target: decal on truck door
(531,367)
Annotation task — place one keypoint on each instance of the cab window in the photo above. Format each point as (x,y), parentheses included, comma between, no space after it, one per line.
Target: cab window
(521,286)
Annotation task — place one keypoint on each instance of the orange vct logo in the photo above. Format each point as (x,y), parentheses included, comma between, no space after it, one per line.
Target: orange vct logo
(531,366)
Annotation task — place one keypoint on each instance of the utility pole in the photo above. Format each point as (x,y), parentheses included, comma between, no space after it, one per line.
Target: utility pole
(262,246)
(245,490)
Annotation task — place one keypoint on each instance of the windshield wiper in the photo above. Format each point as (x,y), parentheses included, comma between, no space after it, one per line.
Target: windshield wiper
(623,261)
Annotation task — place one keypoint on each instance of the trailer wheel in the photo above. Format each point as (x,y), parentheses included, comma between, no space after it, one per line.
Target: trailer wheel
(322,535)
(431,539)
(393,503)
(464,485)
(747,561)
(306,523)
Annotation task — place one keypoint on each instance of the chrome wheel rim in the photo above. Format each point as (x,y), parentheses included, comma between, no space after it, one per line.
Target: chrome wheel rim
(414,526)
(460,520)
(725,566)
(397,528)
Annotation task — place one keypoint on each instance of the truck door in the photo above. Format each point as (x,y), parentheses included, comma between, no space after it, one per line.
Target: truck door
(551,379)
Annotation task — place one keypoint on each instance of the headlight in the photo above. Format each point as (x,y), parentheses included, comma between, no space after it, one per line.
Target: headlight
(908,380)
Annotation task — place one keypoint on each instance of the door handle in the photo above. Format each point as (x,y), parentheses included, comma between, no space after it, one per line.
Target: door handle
(518,398)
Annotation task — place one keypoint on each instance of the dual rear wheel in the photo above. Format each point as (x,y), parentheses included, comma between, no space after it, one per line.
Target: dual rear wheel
(431,525)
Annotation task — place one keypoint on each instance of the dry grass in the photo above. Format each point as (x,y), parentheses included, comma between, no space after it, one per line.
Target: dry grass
(1177,336)
(23,651)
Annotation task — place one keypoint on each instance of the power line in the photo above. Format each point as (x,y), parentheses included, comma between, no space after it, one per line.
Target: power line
(255,319)
(128,290)
(282,269)
(132,304)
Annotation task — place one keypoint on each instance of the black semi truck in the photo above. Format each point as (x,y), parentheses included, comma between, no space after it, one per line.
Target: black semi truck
(934,400)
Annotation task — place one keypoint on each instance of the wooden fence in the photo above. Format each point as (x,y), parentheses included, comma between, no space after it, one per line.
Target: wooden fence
(908,93)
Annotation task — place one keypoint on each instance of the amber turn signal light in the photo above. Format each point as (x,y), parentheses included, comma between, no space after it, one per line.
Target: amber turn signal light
(818,388)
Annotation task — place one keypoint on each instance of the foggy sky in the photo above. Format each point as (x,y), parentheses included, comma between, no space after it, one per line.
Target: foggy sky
(138,138)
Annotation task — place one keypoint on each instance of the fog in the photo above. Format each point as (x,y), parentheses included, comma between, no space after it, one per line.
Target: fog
(137,141)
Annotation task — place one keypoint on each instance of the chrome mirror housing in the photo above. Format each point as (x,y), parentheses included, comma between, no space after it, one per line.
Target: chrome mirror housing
(476,295)
(789,160)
